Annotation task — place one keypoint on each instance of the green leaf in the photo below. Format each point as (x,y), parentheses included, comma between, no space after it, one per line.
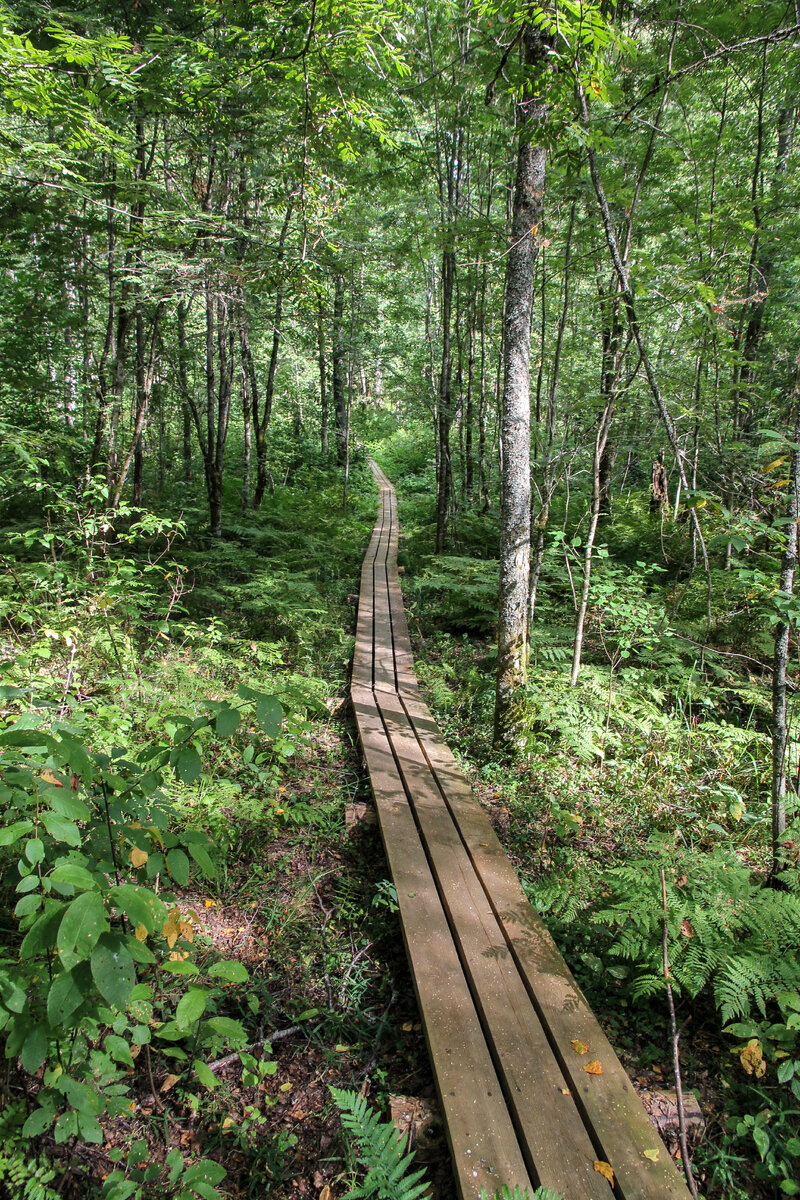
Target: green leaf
(231,972)
(201,857)
(181,967)
(68,805)
(206,1077)
(140,905)
(39,1120)
(12,833)
(188,764)
(113,970)
(34,1049)
(119,1049)
(74,875)
(84,921)
(90,1129)
(66,995)
(178,865)
(61,829)
(191,1007)
(204,1171)
(269,715)
(761,1139)
(34,850)
(227,722)
(66,1127)
(786,1070)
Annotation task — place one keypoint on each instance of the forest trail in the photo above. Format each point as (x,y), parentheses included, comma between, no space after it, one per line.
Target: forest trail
(531,1090)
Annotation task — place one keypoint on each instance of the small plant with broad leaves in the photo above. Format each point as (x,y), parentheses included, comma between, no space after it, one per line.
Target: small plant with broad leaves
(101,969)
(378,1146)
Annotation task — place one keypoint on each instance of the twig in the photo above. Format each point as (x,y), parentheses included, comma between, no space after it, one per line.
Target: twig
(676,1061)
(279,1035)
(349,971)
(156,1098)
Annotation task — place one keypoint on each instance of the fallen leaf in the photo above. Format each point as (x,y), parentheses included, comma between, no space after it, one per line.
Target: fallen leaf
(593,1068)
(340,1049)
(169,1082)
(409,1025)
(565,1091)
(210,903)
(686,928)
(326,1193)
(286,1087)
(605,1170)
(652,1155)
(579,1047)
(227,1124)
(752,1058)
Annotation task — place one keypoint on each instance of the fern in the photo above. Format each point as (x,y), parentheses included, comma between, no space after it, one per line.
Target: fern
(23,1178)
(381,1149)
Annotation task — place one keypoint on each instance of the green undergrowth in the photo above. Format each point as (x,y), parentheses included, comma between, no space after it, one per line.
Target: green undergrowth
(658,760)
(174,879)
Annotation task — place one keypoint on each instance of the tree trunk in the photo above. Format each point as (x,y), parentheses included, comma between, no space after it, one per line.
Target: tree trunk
(339,371)
(780,724)
(515,496)
(444,480)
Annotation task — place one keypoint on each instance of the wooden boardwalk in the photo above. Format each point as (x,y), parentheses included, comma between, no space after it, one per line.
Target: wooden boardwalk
(500,1008)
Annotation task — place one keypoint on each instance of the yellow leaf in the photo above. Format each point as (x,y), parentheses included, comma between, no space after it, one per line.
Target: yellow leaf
(407,1028)
(752,1058)
(605,1170)
(340,1049)
(326,1193)
(210,903)
(579,1047)
(652,1155)
(593,1068)
(138,857)
(776,463)
(565,1091)
(285,1087)
(169,1082)
(227,1124)
(140,933)
(50,777)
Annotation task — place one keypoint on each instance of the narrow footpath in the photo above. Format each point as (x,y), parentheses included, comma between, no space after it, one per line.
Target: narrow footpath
(530,1089)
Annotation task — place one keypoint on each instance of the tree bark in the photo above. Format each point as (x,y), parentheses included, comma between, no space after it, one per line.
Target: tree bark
(515,496)
(339,371)
(780,724)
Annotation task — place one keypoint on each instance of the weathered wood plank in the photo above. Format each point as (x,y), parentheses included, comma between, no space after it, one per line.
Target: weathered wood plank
(553,1136)
(622,1129)
(483,1142)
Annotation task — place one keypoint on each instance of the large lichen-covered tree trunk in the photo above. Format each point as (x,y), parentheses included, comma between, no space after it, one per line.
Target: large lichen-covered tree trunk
(515,497)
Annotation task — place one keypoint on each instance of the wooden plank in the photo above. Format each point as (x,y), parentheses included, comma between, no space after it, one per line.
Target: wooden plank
(558,1147)
(621,1126)
(483,1142)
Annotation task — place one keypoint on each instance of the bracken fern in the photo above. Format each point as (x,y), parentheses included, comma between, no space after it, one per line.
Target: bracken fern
(381,1149)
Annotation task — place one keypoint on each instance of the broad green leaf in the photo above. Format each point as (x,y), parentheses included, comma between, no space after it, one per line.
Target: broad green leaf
(206,1077)
(188,764)
(181,967)
(34,850)
(761,1139)
(269,714)
(201,857)
(66,1127)
(140,905)
(65,995)
(84,921)
(205,1170)
(119,1049)
(191,1007)
(231,972)
(12,833)
(39,1120)
(227,722)
(61,829)
(68,805)
(113,970)
(178,865)
(75,875)
(90,1129)
(34,1049)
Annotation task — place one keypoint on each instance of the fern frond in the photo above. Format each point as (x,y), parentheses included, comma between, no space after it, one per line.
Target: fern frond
(381,1149)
